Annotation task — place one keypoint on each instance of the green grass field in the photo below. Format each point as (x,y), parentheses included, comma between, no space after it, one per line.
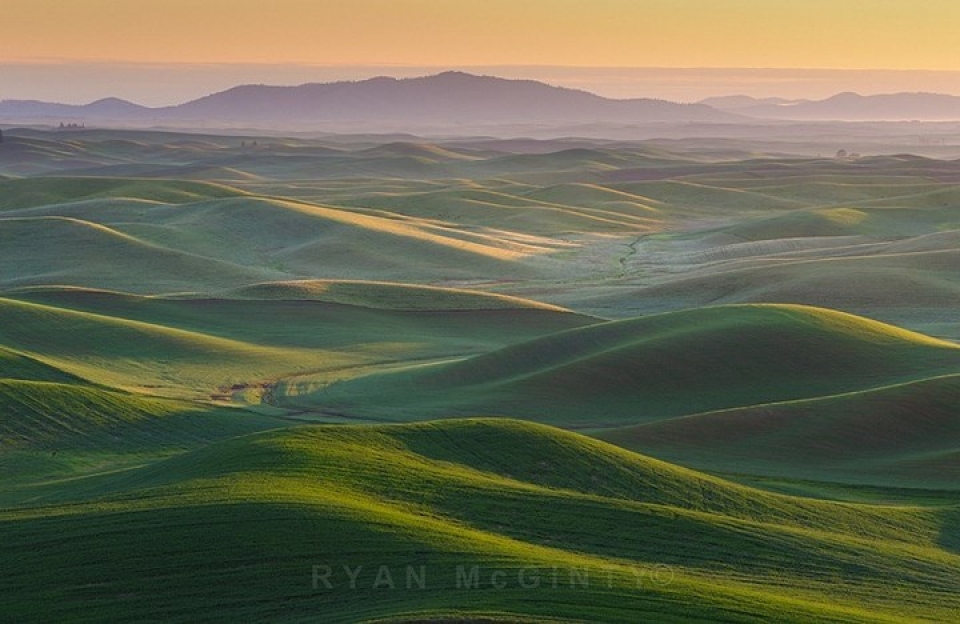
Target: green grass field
(381,379)
(236,528)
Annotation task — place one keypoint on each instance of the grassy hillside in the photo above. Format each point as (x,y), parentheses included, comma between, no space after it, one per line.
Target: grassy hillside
(233,531)
(202,347)
(884,284)
(137,355)
(29,192)
(911,281)
(905,434)
(90,254)
(546,211)
(188,241)
(15,365)
(388,296)
(58,417)
(658,367)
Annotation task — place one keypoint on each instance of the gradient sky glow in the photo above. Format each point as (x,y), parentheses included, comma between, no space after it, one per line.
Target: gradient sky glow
(891,34)
(85,38)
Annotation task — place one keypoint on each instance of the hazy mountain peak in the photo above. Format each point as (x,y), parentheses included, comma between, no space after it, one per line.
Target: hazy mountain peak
(114,103)
(111,100)
(845,95)
(455,74)
(856,107)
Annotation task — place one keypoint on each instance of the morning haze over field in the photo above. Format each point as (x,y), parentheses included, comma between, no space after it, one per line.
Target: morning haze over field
(480,312)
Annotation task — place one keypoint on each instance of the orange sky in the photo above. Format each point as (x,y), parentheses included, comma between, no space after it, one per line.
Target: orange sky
(894,34)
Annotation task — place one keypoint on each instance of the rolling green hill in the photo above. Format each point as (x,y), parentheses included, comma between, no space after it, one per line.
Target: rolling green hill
(256,527)
(561,208)
(904,280)
(883,284)
(185,240)
(137,355)
(388,296)
(30,192)
(64,250)
(658,367)
(905,434)
(58,417)
(200,347)
(17,366)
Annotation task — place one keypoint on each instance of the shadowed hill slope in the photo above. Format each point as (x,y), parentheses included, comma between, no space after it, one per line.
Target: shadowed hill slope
(15,365)
(661,366)
(906,434)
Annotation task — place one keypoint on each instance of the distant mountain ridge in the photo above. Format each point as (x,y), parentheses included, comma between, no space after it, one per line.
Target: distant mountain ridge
(449,98)
(847,107)
(107,107)
(742,102)
(465,101)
